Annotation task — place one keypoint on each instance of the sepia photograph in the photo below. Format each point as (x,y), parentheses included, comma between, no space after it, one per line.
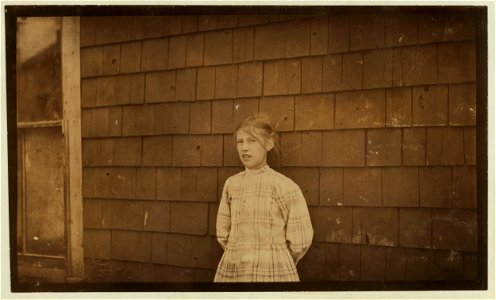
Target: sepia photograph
(229,148)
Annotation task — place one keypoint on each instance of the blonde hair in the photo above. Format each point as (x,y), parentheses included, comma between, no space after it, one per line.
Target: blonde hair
(260,127)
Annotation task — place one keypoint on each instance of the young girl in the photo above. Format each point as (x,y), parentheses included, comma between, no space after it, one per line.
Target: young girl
(263,223)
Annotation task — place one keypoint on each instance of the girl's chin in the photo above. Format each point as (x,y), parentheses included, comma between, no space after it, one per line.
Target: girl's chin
(252,166)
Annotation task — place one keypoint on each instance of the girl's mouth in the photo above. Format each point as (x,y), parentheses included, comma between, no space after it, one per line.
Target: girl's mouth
(245,156)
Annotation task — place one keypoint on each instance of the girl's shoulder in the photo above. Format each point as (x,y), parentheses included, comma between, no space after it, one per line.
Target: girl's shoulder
(282,182)
(234,178)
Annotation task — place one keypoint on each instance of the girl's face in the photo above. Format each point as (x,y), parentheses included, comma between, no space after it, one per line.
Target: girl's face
(252,154)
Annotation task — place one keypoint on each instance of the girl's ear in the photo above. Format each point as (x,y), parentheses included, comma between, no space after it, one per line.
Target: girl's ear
(269,144)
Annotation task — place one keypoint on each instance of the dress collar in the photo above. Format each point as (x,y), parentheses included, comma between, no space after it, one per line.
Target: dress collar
(257,171)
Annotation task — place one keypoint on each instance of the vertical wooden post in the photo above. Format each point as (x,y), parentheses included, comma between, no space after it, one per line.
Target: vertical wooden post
(72,130)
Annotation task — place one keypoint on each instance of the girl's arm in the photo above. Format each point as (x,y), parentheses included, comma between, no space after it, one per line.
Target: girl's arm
(223,223)
(299,231)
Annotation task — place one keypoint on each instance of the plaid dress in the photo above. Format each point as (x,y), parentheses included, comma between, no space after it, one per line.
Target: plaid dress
(263,225)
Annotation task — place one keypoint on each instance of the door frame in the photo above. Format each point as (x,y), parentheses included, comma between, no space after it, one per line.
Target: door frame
(71,128)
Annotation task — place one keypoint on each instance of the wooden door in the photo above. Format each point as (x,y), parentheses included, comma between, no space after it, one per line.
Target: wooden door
(49,216)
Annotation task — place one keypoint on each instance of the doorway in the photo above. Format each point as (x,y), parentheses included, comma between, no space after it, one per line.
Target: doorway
(49,203)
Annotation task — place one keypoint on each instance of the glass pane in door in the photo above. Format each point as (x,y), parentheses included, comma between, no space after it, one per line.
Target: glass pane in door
(38,69)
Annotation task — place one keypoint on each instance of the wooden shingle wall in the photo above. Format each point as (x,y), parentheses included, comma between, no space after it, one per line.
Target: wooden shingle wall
(376,120)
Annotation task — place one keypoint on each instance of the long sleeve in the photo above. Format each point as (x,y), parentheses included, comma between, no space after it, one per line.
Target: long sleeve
(223,223)
(299,231)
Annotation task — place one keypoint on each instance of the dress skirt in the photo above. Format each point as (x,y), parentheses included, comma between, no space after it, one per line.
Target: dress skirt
(264,263)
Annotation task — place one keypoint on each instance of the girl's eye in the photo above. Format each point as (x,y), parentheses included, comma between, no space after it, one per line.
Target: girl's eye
(239,141)
(251,140)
